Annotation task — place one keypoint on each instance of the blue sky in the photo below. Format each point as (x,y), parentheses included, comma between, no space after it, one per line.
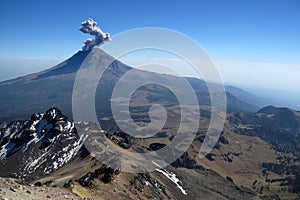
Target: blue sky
(239,35)
(262,30)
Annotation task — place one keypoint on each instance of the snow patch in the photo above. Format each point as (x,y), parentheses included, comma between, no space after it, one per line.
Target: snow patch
(53,113)
(170,175)
(7,132)
(33,125)
(55,165)
(66,154)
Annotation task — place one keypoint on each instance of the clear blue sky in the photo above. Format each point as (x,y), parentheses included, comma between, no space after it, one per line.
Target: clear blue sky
(240,35)
(254,30)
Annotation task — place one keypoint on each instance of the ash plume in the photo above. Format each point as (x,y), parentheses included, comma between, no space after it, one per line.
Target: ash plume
(90,26)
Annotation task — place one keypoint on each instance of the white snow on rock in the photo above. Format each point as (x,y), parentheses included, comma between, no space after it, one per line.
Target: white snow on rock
(68,153)
(45,144)
(171,176)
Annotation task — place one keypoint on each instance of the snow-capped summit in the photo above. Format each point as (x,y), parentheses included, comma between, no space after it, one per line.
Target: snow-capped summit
(53,114)
(37,146)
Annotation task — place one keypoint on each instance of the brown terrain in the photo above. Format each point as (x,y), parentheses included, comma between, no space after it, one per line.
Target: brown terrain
(256,156)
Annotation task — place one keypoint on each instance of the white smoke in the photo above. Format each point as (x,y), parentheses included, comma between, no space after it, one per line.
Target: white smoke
(90,26)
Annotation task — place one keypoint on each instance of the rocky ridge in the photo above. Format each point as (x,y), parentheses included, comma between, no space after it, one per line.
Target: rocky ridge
(36,147)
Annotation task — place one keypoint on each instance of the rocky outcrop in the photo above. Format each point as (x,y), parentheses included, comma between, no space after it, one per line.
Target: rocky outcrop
(38,146)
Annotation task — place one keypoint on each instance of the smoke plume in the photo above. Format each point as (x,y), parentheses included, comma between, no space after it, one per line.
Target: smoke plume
(90,26)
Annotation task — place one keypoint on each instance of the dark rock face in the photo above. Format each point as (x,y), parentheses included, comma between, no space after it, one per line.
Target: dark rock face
(223,140)
(185,161)
(69,184)
(69,66)
(122,139)
(104,174)
(141,181)
(38,146)
(156,146)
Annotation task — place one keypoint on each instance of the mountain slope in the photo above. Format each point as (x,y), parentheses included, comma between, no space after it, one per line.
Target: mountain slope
(278,126)
(235,169)
(246,96)
(47,151)
(53,88)
(36,147)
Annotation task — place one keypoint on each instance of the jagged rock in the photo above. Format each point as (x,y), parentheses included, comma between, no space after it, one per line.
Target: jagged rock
(69,184)
(104,174)
(39,184)
(141,180)
(156,146)
(122,139)
(36,147)
(223,140)
(229,178)
(210,157)
(185,161)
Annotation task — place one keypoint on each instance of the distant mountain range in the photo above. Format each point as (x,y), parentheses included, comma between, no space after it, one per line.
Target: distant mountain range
(256,156)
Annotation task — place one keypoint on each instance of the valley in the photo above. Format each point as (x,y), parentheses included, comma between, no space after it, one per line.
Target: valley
(256,155)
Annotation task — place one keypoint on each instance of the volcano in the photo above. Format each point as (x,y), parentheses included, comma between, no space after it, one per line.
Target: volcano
(46,149)
(53,87)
